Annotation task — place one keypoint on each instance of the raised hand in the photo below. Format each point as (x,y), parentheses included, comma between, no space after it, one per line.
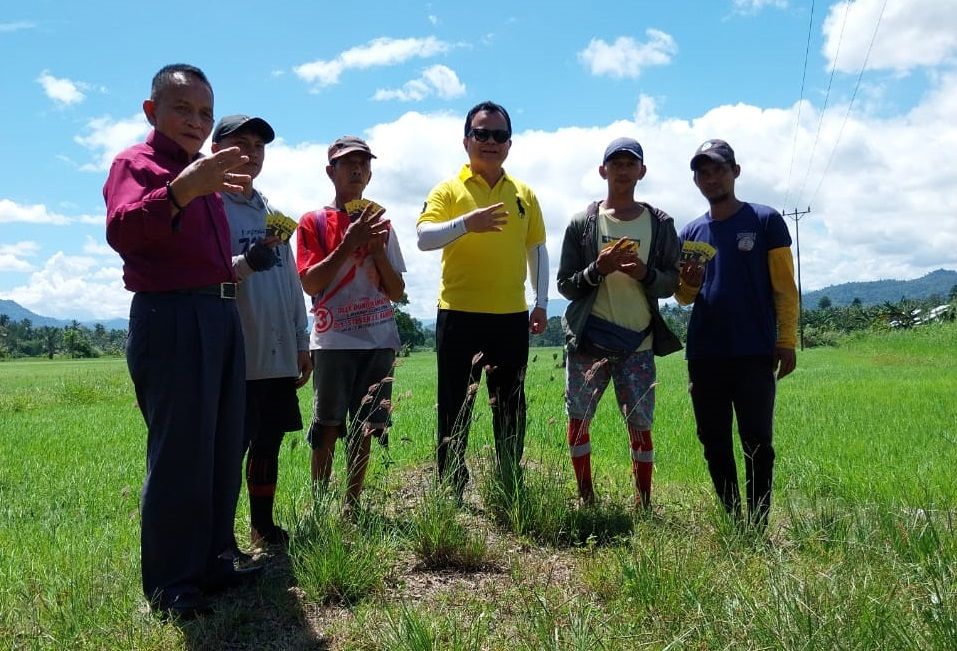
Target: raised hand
(211,174)
(486,220)
(369,228)
(618,257)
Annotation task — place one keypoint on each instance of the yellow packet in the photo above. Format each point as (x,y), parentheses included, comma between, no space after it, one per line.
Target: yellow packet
(280,225)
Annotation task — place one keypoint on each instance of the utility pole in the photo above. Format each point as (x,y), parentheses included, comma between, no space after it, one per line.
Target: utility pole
(796,216)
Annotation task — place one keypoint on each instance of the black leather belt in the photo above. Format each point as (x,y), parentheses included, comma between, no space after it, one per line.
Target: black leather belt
(222,290)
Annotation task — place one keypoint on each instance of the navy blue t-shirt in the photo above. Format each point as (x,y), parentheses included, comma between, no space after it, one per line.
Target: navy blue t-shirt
(733,314)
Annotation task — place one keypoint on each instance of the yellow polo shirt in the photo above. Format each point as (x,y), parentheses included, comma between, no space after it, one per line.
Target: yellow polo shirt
(485,272)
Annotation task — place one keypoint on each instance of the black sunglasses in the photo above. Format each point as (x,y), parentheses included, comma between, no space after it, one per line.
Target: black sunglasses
(498,135)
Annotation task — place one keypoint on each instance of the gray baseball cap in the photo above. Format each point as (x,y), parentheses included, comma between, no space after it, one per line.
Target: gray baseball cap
(348,144)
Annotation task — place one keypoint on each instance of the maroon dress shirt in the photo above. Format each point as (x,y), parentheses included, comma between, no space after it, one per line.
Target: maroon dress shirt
(160,252)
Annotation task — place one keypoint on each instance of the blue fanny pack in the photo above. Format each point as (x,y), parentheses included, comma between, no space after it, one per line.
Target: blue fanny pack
(607,338)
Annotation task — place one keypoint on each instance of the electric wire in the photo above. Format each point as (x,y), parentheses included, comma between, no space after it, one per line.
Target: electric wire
(797,123)
(827,95)
(850,104)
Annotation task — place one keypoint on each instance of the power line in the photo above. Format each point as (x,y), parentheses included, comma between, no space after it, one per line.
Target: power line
(797,215)
(827,94)
(797,123)
(850,104)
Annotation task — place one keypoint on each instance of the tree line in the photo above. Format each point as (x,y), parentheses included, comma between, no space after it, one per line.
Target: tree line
(824,325)
(75,340)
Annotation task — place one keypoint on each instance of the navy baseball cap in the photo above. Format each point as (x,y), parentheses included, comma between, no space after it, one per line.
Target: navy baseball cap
(717,150)
(629,145)
(233,123)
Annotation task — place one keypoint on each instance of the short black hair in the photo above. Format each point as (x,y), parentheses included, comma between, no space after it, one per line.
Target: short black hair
(164,78)
(490,107)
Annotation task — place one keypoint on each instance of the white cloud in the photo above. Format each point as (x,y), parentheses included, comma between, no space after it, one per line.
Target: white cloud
(627,57)
(646,113)
(754,6)
(107,137)
(16,26)
(436,80)
(11,212)
(12,256)
(61,90)
(433,19)
(912,33)
(25,248)
(74,287)
(377,52)
(11,262)
(92,246)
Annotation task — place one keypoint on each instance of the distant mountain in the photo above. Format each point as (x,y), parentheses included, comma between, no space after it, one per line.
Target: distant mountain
(17,312)
(875,292)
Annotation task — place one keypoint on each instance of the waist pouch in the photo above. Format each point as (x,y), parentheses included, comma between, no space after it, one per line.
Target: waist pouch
(607,338)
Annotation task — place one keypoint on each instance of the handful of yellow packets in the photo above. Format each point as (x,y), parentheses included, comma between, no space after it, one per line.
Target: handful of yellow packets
(356,206)
(700,252)
(629,245)
(280,225)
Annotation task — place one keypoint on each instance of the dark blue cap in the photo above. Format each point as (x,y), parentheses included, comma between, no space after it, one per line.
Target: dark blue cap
(629,145)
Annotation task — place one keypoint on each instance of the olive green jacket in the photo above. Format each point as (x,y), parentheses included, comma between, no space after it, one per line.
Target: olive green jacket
(578,277)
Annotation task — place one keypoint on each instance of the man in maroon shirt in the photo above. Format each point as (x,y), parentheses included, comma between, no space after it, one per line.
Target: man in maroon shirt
(185,348)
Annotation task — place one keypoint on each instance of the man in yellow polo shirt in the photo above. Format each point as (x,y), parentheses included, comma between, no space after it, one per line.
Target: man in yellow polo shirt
(489,227)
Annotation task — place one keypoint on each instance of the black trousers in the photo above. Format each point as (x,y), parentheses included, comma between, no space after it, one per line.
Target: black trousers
(467,343)
(745,385)
(185,356)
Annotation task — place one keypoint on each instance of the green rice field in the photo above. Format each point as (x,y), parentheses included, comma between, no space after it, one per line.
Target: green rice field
(861,551)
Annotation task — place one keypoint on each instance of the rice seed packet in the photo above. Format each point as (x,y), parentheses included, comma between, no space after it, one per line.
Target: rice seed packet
(281,225)
(701,252)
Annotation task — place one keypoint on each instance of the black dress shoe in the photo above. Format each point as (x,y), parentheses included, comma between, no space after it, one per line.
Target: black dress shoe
(232,578)
(183,607)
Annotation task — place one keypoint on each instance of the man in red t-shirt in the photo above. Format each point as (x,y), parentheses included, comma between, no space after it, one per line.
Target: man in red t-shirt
(350,263)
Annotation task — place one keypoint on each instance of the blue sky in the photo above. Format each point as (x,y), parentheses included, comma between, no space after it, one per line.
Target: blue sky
(879,173)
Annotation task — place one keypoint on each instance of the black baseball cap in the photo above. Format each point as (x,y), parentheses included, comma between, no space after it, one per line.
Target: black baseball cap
(233,123)
(717,150)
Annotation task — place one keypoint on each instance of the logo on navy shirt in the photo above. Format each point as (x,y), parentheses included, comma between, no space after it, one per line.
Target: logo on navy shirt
(746,241)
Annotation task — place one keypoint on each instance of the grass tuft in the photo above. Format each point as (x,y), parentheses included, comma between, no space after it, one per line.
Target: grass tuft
(441,540)
(336,560)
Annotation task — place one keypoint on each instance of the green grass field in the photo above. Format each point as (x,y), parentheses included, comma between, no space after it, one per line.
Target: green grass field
(862,551)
